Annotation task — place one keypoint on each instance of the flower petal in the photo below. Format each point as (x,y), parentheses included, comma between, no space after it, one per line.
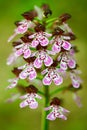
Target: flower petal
(48,60)
(37,96)
(76,83)
(27,53)
(43,41)
(56,48)
(51,116)
(47,34)
(63,65)
(32,75)
(47,108)
(47,80)
(22,28)
(71,63)
(66,45)
(58,80)
(34,43)
(24,96)
(37,63)
(24,104)
(62,117)
(19,52)
(12,58)
(23,74)
(11,37)
(33,105)
(77,100)
(13,83)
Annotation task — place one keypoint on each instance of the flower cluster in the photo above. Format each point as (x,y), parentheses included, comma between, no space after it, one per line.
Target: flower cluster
(47,51)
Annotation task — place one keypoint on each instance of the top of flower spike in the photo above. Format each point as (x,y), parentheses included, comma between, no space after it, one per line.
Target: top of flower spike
(56,110)
(30,15)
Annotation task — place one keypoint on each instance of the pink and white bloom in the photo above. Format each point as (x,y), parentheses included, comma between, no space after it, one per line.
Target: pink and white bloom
(40,38)
(59,43)
(28,72)
(13,98)
(56,112)
(12,58)
(30,100)
(42,56)
(23,49)
(76,80)
(13,82)
(52,75)
(77,99)
(22,28)
(66,60)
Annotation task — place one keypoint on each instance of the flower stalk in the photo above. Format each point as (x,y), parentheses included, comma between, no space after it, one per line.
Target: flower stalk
(45,122)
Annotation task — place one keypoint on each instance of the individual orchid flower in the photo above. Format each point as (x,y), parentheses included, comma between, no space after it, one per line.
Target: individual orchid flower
(23,49)
(66,60)
(77,99)
(40,37)
(22,28)
(28,72)
(76,80)
(59,43)
(30,98)
(52,75)
(43,56)
(75,96)
(14,81)
(56,110)
(12,58)
(13,98)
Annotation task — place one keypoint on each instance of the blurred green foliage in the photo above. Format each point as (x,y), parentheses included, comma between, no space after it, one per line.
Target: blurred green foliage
(11,116)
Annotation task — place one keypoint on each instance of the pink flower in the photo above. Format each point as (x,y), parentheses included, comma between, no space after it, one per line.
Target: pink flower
(13,98)
(56,112)
(30,100)
(40,38)
(12,58)
(13,82)
(66,60)
(23,49)
(52,75)
(28,71)
(43,57)
(59,43)
(22,28)
(76,81)
(77,99)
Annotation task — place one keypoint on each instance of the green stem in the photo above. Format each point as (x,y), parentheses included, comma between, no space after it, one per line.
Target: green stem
(40,92)
(51,20)
(45,122)
(57,90)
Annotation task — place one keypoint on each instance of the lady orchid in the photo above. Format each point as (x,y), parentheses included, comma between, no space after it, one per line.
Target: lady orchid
(30,98)
(59,43)
(43,56)
(48,57)
(40,38)
(14,81)
(66,60)
(56,110)
(28,70)
(52,75)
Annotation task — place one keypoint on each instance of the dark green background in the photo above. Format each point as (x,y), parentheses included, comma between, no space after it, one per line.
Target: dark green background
(11,116)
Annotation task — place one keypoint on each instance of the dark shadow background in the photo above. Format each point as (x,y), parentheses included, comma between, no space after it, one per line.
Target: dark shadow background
(11,116)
